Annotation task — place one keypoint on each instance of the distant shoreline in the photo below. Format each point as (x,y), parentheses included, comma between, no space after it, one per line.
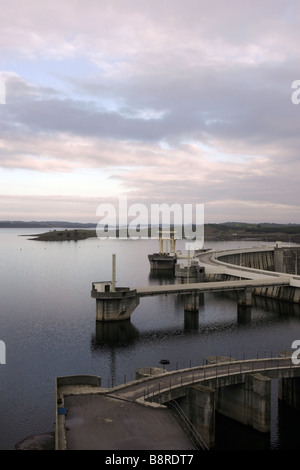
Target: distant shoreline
(288,233)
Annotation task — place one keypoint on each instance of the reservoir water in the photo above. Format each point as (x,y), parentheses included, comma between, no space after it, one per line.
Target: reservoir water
(47,322)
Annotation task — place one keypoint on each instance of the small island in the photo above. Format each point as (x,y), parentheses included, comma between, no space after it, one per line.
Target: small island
(65,235)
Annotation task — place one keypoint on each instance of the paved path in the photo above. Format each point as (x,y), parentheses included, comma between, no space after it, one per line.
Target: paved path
(101,422)
(116,418)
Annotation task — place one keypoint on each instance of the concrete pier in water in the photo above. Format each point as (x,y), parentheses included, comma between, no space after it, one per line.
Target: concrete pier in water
(209,271)
(118,304)
(166,258)
(114,305)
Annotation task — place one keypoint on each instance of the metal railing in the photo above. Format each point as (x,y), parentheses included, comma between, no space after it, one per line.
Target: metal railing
(188,426)
(158,385)
(202,370)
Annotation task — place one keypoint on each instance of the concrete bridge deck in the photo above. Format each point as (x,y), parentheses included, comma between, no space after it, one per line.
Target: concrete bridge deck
(145,390)
(119,303)
(219,286)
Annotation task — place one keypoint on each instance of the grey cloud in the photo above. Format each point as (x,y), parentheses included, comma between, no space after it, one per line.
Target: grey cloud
(218,72)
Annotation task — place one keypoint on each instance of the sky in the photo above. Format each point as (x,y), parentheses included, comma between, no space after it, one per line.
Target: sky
(160,102)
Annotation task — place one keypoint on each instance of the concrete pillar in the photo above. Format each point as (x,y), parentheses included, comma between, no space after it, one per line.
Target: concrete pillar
(289,391)
(260,402)
(244,302)
(248,402)
(245,297)
(192,302)
(113,287)
(173,244)
(201,412)
(161,244)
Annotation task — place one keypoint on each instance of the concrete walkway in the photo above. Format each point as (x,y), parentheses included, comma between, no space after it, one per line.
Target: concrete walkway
(100,422)
(120,418)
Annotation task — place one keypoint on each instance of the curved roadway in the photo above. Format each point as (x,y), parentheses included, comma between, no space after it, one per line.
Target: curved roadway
(145,389)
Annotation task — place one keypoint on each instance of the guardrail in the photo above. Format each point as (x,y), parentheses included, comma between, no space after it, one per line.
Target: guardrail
(173,380)
(188,426)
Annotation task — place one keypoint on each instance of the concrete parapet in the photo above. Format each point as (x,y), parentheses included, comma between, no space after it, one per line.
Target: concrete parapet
(219,359)
(91,380)
(148,372)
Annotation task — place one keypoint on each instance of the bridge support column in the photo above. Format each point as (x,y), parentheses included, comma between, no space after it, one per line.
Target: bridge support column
(244,303)
(289,391)
(249,402)
(192,302)
(201,412)
(245,297)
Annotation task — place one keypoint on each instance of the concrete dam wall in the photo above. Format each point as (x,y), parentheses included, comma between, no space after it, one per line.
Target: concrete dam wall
(281,259)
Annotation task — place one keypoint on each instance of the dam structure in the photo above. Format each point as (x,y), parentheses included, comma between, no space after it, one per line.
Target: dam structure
(264,270)
(166,257)
(172,410)
(256,263)
(176,410)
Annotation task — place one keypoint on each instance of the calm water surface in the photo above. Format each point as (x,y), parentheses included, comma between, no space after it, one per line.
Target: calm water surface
(47,321)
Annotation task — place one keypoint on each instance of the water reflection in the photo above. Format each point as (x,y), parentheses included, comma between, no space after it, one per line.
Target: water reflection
(281,308)
(161,276)
(243,314)
(288,425)
(191,321)
(114,335)
(263,313)
(231,435)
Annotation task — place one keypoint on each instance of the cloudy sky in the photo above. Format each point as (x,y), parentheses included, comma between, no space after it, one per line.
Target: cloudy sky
(161,101)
